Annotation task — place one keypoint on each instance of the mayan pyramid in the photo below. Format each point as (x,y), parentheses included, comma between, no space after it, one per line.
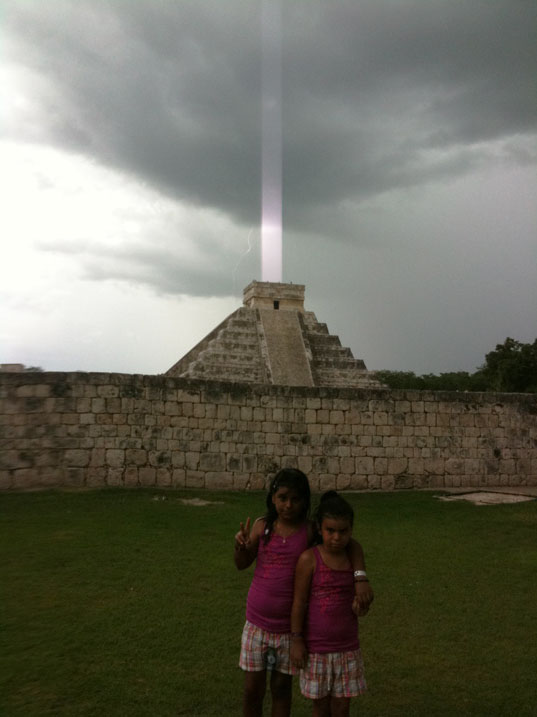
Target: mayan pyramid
(271,339)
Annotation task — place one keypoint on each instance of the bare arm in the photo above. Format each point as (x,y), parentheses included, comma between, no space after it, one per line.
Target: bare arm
(247,543)
(305,568)
(363,591)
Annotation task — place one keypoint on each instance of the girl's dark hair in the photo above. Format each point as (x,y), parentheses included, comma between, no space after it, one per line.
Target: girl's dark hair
(332,505)
(287,478)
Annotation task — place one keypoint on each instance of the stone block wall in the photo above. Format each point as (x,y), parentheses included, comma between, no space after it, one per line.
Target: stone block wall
(93,430)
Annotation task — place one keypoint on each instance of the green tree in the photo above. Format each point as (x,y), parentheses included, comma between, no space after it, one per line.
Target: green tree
(510,368)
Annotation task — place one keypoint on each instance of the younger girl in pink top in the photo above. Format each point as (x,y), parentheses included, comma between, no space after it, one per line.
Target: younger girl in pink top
(324,626)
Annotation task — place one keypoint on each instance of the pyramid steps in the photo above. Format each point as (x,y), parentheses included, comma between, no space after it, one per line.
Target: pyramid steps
(272,340)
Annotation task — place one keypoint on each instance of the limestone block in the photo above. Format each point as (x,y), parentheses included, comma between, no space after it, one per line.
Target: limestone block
(434,466)
(416,466)
(6,479)
(233,463)
(240,481)
(136,457)
(159,459)
(454,466)
(343,482)
(258,481)
(380,466)
(364,465)
(327,481)
(396,466)
(178,459)
(199,410)
(164,477)
(218,480)
(305,464)
(347,465)
(387,482)
(373,482)
(23,478)
(336,417)
(178,478)
(108,391)
(97,457)
(473,467)
(184,396)
(96,476)
(172,408)
(130,476)
(98,405)
(77,457)
(73,477)
(259,414)
(467,419)
(507,467)
(249,463)
(114,476)
(115,458)
(147,475)
(210,410)
(212,462)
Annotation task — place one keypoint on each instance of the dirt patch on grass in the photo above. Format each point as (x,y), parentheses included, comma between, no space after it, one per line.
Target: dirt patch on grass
(200,501)
(487,498)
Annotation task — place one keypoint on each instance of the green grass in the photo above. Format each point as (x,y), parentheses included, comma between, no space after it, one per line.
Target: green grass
(114,603)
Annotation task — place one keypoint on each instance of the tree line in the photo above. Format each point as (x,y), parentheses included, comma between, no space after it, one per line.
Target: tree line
(510,368)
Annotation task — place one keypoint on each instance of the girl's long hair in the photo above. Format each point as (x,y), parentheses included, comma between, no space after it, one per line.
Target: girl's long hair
(287,478)
(331,505)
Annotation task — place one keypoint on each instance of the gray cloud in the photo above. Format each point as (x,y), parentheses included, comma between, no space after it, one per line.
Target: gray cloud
(170,92)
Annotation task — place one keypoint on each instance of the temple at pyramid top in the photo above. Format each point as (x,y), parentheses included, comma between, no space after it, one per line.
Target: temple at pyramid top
(272,339)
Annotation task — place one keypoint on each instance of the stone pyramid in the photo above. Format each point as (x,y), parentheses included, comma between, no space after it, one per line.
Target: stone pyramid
(271,339)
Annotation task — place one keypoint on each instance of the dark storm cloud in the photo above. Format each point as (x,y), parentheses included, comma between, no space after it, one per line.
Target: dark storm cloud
(171,92)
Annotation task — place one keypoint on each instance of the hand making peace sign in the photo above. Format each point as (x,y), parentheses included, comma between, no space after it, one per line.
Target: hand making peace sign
(242,538)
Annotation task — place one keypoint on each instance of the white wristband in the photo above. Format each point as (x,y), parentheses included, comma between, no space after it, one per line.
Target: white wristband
(360,574)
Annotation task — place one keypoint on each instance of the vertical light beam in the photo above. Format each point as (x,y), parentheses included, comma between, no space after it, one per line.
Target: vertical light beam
(271,142)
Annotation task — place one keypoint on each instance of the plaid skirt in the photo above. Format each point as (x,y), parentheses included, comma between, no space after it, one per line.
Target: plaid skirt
(340,674)
(261,650)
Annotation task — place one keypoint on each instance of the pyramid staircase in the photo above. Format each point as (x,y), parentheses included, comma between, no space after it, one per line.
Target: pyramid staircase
(272,340)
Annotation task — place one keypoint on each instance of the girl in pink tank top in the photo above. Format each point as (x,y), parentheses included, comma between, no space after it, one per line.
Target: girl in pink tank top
(275,542)
(324,626)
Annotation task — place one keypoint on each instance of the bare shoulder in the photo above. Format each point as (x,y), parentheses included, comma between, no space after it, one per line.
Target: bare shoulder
(306,560)
(258,528)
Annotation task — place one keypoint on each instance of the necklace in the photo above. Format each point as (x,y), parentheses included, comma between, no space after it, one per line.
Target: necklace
(284,537)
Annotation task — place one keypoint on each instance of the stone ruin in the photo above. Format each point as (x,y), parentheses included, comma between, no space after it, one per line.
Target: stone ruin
(272,339)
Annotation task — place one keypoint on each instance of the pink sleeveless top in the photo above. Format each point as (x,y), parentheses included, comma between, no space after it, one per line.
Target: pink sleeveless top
(331,624)
(270,597)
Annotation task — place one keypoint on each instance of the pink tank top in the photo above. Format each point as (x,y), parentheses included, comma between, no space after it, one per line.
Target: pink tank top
(331,624)
(270,597)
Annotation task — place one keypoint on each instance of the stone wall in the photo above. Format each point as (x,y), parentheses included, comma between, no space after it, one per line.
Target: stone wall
(81,429)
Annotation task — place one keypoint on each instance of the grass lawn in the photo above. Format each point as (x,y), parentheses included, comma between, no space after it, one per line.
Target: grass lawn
(117,603)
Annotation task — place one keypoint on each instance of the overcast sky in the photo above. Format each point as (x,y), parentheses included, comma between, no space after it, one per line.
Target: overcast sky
(130,159)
